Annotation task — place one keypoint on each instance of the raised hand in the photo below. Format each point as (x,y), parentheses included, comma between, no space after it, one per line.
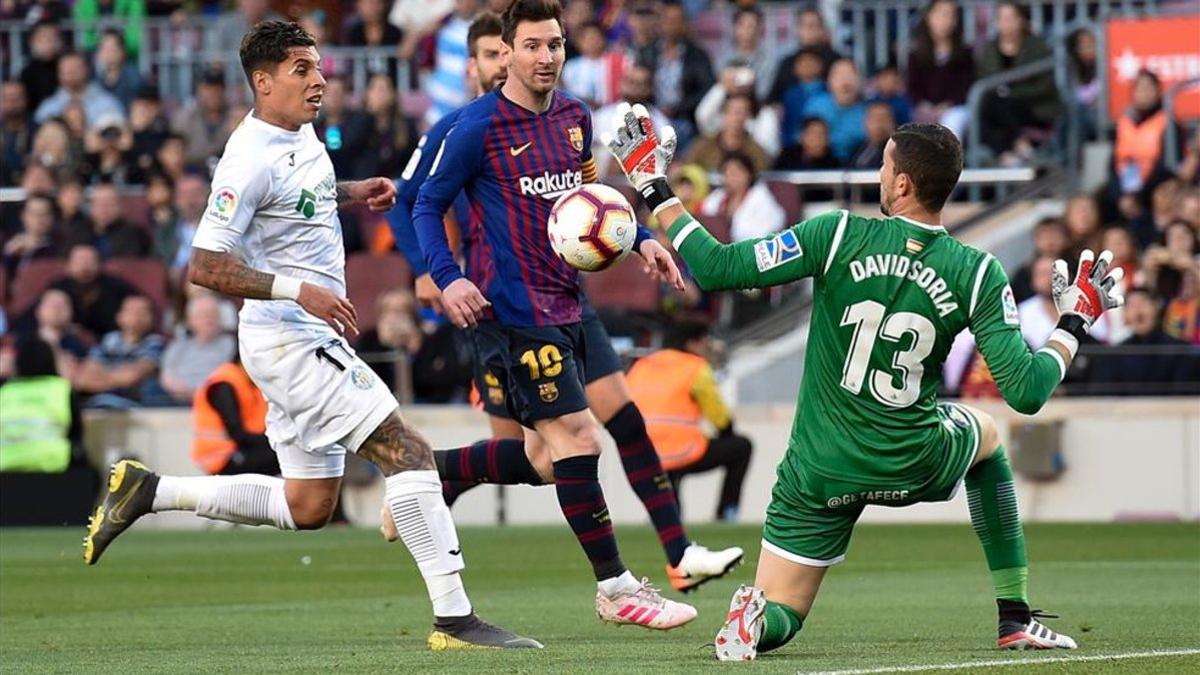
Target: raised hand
(643,154)
(1094,290)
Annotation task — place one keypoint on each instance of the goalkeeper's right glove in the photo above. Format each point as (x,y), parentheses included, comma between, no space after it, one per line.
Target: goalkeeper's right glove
(1081,303)
(643,156)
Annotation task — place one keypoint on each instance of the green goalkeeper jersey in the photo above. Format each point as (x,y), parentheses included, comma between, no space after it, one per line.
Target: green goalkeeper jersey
(889,297)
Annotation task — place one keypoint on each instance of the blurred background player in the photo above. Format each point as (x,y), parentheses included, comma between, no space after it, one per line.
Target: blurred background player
(890,295)
(677,390)
(688,564)
(515,150)
(276,205)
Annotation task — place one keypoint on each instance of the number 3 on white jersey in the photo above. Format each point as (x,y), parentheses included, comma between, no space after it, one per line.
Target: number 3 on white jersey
(866,317)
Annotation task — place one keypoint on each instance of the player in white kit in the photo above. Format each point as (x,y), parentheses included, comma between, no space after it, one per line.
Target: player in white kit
(271,235)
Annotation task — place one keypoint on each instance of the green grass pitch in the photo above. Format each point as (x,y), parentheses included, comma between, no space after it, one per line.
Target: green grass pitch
(244,601)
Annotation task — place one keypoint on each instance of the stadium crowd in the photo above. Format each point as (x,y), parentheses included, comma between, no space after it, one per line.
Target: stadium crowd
(116,176)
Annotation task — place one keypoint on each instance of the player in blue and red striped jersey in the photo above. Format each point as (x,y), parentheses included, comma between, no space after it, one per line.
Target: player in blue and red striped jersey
(503,459)
(514,150)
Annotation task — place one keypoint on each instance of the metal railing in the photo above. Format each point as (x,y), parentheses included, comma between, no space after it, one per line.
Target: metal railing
(976,153)
(1172,137)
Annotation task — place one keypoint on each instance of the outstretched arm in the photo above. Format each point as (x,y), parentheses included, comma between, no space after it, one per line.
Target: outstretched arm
(378,193)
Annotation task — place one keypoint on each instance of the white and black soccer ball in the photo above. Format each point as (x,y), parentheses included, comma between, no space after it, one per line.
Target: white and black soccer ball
(592,227)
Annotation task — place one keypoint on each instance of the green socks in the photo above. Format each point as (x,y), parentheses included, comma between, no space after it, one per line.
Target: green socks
(780,625)
(992,498)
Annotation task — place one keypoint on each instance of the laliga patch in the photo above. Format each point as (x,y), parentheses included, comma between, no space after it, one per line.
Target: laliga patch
(782,248)
(1010,306)
(224,203)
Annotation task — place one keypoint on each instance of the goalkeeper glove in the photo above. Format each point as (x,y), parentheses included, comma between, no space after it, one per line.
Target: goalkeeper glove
(643,156)
(1081,303)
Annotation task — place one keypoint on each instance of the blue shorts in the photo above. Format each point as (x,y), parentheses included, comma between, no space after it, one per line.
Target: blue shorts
(531,373)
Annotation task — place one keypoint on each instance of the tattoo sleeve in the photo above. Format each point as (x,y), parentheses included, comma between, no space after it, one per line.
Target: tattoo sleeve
(225,273)
(343,192)
(396,447)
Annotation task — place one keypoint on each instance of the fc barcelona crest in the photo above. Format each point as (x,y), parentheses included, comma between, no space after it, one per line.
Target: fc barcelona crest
(548,391)
(576,136)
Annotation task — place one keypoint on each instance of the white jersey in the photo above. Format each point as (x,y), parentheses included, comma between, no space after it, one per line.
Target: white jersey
(274,203)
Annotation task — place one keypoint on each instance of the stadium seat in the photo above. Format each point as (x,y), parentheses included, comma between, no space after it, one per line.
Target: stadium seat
(788,196)
(28,285)
(624,287)
(368,275)
(148,276)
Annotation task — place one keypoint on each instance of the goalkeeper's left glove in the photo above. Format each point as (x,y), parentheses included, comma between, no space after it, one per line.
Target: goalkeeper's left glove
(1081,303)
(643,156)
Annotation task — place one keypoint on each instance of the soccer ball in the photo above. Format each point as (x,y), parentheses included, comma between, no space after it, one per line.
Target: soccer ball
(592,227)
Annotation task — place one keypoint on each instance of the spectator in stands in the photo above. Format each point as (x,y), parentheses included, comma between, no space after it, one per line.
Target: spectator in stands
(369,26)
(346,132)
(39,218)
(173,240)
(941,68)
(76,86)
(203,121)
(70,206)
(447,84)
(193,356)
(54,150)
(16,133)
(40,75)
(738,79)
(746,201)
(677,393)
(811,33)
(95,297)
(111,233)
(150,129)
(682,71)
(1050,240)
(129,14)
(41,421)
(226,33)
(1138,156)
(592,75)
(230,420)
(1082,218)
(878,125)
(842,108)
(396,331)
(575,15)
(690,184)
(1149,225)
(812,153)
(1166,262)
(1039,315)
(171,157)
(643,28)
(637,86)
(121,369)
(54,324)
(1125,252)
(733,136)
(394,132)
(888,87)
(1137,370)
(1085,90)
(750,50)
(107,145)
(1013,115)
(114,72)
(160,201)
(808,68)
(1181,317)
(1188,170)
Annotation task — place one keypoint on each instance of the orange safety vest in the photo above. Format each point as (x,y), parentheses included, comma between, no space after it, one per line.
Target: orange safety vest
(661,386)
(1140,143)
(211,445)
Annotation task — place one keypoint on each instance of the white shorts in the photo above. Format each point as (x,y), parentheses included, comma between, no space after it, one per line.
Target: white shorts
(322,400)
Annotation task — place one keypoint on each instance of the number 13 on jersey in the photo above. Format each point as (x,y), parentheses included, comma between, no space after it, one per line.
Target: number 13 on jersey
(870,325)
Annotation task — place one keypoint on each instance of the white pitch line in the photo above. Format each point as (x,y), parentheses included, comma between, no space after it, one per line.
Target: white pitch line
(1001,663)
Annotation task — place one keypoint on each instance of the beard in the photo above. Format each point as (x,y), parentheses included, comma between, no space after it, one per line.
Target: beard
(885,204)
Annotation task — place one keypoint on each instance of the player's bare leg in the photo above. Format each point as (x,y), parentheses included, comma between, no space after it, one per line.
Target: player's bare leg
(768,614)
(992,499)
(688,564)
(413,495)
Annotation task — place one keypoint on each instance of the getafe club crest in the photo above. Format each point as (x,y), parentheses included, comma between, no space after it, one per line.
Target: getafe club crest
(360,377)
(576,136)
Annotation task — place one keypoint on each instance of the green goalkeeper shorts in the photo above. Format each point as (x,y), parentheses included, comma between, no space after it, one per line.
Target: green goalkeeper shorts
(810,518)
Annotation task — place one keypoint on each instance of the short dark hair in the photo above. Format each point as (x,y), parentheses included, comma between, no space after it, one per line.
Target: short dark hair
(485,25)
(49,199)
(683,332)
(529,10)
(34,357)
(742,96)
(750,10)
(744,160)
(932,157)
(268,44)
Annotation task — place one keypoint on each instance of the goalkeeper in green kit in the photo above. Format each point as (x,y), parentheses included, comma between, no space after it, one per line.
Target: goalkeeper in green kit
(889,296)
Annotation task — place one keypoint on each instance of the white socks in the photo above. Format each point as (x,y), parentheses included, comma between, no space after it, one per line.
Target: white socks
(250,499)
(625,583)
(414,500)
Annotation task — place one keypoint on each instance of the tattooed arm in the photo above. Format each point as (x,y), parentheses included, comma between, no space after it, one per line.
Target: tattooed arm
(379,194)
